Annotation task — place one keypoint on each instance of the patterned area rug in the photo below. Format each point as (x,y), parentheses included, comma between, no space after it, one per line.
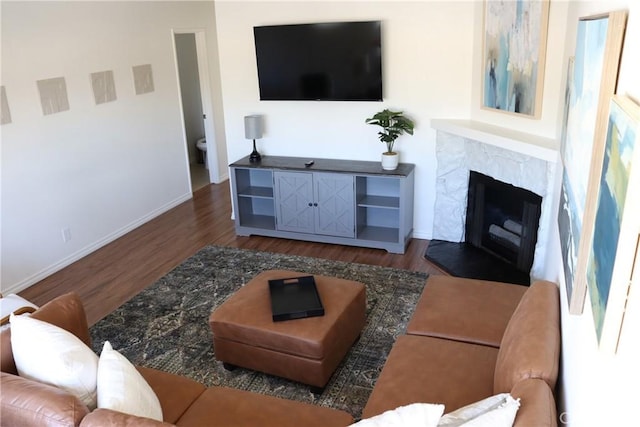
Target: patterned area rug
(166,325)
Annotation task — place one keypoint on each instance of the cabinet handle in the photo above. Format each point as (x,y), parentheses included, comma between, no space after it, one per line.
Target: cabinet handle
(310,204)
(315,204)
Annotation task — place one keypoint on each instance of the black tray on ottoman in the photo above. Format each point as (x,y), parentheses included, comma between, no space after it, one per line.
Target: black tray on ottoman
(294,298)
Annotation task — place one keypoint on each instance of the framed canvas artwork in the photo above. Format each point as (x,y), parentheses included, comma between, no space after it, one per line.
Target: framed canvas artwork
(593,82)
(617,221)
(515,40)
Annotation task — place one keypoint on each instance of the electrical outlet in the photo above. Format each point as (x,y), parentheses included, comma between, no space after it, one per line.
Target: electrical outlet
(66,234)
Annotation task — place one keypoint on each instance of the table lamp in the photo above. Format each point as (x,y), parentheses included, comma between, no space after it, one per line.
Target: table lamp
(253,130)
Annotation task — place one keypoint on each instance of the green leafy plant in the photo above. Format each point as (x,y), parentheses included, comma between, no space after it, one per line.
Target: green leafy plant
(393,124)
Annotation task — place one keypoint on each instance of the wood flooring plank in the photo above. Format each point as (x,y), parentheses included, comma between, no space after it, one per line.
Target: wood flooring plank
(110,276)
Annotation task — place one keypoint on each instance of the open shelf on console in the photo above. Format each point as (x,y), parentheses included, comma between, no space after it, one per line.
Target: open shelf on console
(255,198)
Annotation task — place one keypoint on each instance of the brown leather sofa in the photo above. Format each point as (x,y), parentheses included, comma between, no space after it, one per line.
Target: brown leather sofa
(470,339)
(184,402)
(467,340)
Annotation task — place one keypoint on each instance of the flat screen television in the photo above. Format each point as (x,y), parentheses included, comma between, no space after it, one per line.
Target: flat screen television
(337,61)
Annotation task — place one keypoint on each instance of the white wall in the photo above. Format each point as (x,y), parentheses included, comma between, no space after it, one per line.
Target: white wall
(427,65)
(596,387)
(98,170)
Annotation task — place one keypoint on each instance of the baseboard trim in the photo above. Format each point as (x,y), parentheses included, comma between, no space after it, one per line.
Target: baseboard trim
(421,234)
(48,271)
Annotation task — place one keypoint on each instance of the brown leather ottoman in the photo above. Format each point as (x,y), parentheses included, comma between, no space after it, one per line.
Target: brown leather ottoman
(305,350)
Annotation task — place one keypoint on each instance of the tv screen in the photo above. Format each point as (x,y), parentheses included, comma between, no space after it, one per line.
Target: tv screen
(338,61)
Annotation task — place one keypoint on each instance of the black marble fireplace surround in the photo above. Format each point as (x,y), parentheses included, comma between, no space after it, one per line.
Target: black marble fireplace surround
(500,234)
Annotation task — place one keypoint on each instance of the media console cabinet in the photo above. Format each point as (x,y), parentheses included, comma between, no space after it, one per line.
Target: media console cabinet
(346,202)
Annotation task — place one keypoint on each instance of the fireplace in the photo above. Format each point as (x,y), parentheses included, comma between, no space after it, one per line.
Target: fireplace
(501,231)
(515,159)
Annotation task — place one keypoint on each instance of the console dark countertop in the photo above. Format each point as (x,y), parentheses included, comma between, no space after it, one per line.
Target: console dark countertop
(324,165)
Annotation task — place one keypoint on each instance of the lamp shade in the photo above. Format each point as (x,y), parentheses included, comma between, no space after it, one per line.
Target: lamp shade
(253,127)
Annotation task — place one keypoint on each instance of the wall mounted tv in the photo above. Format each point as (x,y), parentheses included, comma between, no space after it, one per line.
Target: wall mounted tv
(338,61)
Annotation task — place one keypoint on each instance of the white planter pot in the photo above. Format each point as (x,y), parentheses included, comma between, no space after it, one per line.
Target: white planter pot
(390,161)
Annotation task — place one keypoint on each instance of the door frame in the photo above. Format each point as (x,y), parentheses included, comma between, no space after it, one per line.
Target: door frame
(205,96)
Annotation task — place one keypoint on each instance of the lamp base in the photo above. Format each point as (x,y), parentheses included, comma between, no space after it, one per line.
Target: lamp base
(255,156)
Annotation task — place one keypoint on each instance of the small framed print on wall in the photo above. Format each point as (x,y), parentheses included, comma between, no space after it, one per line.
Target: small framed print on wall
(515,44)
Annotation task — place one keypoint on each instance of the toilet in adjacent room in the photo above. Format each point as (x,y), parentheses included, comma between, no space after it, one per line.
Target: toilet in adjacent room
(201,144)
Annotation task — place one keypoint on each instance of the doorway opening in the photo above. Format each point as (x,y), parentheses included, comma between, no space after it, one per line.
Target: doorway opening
(193,80)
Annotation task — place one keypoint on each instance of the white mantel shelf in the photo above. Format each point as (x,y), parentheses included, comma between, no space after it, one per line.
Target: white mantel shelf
(525,143)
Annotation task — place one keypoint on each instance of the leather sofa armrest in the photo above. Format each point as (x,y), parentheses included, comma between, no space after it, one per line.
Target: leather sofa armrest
(530,347)
(537,404)
(107,417)
(30,403)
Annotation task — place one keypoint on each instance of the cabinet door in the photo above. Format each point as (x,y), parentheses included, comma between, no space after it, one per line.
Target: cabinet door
(334,204)
(294,201)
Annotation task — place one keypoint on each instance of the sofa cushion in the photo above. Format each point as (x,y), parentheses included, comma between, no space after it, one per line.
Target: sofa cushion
(530,346)
(174,392)
(29,403)
(122,388)
(46,353)
(434,370)
(537,405)
(230,407)
(469,310)
(65,311)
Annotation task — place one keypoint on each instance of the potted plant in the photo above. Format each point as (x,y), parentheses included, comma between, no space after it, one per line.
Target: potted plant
(393,124)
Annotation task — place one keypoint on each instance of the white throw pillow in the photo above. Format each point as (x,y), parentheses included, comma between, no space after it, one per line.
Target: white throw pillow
(495,411)
(121,387)
(413,415)
(503,416)
(48,354)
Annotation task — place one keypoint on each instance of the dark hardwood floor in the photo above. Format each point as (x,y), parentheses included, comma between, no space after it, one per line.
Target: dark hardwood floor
(110,276)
